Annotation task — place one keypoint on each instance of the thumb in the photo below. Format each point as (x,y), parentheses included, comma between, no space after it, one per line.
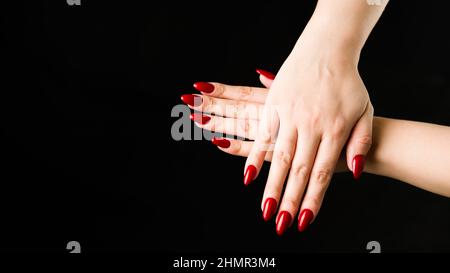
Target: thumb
(265,77)
(359,142)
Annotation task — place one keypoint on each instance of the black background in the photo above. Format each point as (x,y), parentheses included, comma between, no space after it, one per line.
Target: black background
(87,153)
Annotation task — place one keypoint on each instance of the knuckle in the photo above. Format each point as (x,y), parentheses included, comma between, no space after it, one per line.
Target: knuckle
(219,89)
(313,120)
(265,136)
(245,92)
(282,157)
(338,128)
(300,170)
(365,140)
(322,176)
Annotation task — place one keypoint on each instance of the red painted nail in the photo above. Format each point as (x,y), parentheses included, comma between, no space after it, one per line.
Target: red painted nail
(199,118)
(358,166)
(221,142)
(270,207)
(305,218)
(204,87)
(249,175)
(265,73)
(283,222)
(192,100)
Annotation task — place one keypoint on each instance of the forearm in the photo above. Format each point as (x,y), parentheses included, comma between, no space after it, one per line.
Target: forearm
(414,152)
(339,29)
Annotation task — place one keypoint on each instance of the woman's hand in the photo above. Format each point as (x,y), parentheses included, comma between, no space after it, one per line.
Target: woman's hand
(237,111)
(317,103)
(390,156)
(234,115)
(314,107)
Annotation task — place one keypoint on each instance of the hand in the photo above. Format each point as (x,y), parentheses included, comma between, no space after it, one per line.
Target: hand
(390,155)
(317,103)
(313,108)
(240,120)
(237,112)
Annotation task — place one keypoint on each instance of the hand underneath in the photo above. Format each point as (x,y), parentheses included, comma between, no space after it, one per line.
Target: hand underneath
(238,112)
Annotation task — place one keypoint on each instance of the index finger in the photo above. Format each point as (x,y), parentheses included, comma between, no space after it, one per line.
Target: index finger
(232,92)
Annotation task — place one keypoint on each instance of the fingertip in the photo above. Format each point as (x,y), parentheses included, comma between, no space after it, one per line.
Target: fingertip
(305,219)
(358,163)
(250,174)
(265,73)
(221,142)
(204,87)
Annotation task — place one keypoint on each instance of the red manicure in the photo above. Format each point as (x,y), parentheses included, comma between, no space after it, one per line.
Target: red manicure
(358,166)
(265,73)
(204,87)
(270,207)
(192,100)
(199,118)
(221,142)
(305,218)
(283,222)
(249,175)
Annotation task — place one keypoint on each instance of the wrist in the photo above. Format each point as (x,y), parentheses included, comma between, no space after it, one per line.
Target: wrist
(319,43)
(340,28)
(377,161)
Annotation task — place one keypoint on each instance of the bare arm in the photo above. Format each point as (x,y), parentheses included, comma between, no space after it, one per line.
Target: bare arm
(417,153)
(414,152)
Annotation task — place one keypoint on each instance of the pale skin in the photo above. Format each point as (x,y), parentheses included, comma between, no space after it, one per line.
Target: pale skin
(317,104)
(413,152)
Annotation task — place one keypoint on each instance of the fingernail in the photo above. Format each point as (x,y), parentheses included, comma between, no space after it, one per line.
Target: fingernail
(192,100)
(270,207)
(204,87)
(249,175)
(283,222)
(221,142)
(358,166)
(199,118)
(305,218)
(265,73)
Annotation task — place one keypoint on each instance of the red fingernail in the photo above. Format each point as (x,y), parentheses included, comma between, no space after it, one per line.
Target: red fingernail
(204,87)
(270,207)
(283,222)
(265,73)
(221,142)
(192,100)
(199,118)
(305,218)
(249,175)
(358,166)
